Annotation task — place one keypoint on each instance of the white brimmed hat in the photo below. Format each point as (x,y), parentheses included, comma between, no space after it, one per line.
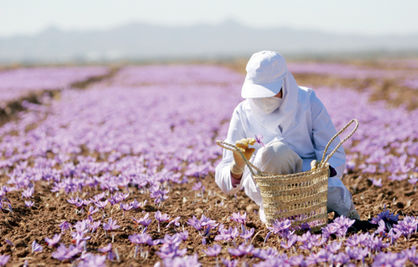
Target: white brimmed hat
(265,73)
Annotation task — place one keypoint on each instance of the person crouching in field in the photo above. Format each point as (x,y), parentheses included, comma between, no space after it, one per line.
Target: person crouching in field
(295,126)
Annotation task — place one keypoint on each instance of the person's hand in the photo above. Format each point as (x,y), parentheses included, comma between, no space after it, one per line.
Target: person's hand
(237,167)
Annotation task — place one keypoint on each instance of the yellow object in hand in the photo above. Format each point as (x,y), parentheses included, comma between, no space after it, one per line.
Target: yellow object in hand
(242,145)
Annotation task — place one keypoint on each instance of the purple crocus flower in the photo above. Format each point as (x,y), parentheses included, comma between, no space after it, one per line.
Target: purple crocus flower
(174,221)
(198,187)
(183,235)
(247,234)
(63,253)
(91,211)
(161,217)
(341,258)
(79,238)
(101,204)
(280,260)
(89,259)
(280,227)
(376,182)
(204,223)
(27,193)
(259,139)
(144,221)
(110,225)
(106,248)
(241,250)
(297,260)
(237,217)
(135,204)
(29,203)
(381,229)
(4,259)
(140,239)
(334,247)
(125,207)
(357,253)
(227,234)
(411,254)
(94,226)
(394,234)
(316,258)
(170,251)
(389,259)
(36,247)
(230,263)
(82,226)
(53,241)
(195,223)
(213,251)
(182,261)
(265,253)
(175,239)
(408,225)
(98,197)
(292,239)
(338,227)
(65,226)
(385,215)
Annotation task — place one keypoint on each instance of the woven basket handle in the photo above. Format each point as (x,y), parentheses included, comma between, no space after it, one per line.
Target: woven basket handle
(324,159)
(253,169)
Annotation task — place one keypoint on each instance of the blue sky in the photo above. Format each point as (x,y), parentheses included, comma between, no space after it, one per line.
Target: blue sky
(354,16)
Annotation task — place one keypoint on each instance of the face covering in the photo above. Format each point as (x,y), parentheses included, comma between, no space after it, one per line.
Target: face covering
(265,105)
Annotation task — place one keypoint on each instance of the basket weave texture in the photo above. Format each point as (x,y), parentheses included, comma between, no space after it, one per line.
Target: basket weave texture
(301,196)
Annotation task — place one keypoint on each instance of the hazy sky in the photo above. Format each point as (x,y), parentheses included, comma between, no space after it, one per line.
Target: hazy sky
(353,16)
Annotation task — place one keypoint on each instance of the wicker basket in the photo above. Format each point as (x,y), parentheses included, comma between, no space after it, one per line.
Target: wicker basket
(301,196)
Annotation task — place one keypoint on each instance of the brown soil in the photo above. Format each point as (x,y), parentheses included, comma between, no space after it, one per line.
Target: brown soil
(24,225)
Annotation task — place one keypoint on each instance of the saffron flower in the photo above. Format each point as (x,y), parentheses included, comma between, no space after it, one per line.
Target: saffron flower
(110,225)
(237,217)
(259,139)
(36,247)
(376,182)
(280,227)
(161,217)
(182,261)
(385,215)
(213,251)
(144,221)
(4,259)
(140,239)
(90,259)
(65,226)
(241,250)
(389,259)
(53,241)
(63,253)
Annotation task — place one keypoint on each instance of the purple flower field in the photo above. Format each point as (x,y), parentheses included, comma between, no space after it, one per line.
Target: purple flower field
(17,83)
(122,174)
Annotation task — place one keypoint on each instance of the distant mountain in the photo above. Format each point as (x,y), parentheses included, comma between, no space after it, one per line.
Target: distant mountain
(139,41)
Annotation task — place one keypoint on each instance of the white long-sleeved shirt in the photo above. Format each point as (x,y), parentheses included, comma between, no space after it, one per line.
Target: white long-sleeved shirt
(307,133)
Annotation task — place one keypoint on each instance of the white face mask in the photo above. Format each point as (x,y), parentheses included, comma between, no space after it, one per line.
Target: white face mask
(265,105)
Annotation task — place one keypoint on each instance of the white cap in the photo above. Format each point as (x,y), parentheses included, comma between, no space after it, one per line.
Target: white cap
(266,71)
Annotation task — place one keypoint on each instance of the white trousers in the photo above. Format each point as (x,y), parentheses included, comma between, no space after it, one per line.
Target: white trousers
(276,157)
